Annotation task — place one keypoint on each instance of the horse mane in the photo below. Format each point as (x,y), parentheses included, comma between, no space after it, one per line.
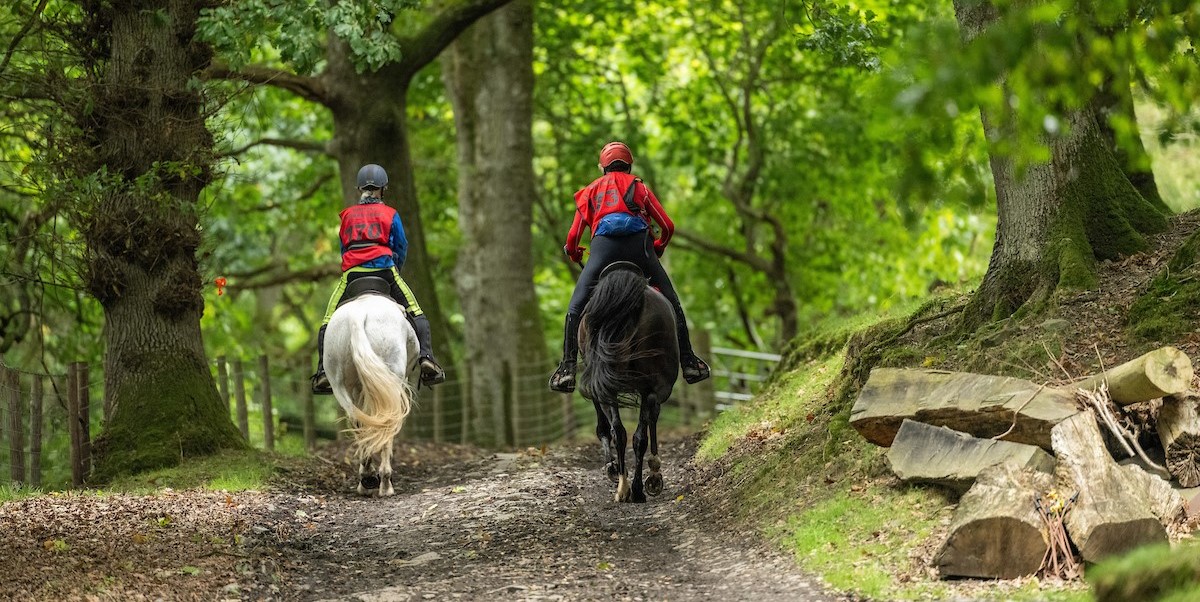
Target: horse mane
(610,341)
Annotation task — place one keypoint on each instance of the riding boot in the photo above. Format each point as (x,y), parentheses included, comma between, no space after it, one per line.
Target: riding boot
(320,383)
(694,368)
(563,379)
(431,372)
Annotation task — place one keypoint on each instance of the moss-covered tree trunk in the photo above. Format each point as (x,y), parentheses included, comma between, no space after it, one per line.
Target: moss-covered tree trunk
(146,149)
(1056,218)
(1114,102)
(489,74)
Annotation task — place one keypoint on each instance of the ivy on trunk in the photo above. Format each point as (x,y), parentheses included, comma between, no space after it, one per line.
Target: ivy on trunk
(142,156)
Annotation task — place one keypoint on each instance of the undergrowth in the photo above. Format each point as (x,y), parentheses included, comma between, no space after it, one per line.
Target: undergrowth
(793,465)
(1168,306)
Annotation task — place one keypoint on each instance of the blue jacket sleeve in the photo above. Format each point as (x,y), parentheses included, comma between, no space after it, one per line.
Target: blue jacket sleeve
(398,243)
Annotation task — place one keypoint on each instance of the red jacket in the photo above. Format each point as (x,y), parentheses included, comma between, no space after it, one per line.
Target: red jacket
(604,196)
(366,230)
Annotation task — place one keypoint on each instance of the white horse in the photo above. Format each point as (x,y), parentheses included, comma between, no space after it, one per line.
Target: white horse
(370,349)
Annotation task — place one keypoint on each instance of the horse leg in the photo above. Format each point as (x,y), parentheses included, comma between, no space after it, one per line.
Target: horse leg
(604,434)
(654,482)
(640,444)
(620,438)
(385,472)
(367,482)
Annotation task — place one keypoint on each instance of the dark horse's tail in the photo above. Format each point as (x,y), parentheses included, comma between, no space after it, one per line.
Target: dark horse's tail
(610,341)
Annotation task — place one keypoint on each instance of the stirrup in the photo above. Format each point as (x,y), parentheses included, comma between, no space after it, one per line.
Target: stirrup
(695,370)
(563,379)
(320,384)
(431,372)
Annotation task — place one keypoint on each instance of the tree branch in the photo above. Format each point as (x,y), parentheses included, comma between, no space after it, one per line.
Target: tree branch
(424,46)
(705,244)
(300,145)
(313,274)
(308,88)
(12,47)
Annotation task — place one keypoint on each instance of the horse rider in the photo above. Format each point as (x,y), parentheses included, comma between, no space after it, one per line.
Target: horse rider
(617,207)
(373,244)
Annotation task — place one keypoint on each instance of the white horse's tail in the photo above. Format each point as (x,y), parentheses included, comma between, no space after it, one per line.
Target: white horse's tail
(386,398)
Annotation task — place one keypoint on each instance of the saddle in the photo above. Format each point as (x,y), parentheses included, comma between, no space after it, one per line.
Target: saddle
(618,266)
(367,285)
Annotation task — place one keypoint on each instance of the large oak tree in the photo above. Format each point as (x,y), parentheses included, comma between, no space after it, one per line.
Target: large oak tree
(140,160)
(1058,216)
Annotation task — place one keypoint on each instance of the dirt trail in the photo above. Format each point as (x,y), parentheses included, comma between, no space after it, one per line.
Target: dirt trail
(463,525)
(522,527)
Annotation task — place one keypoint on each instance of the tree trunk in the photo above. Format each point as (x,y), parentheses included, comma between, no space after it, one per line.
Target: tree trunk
(1118,507)
(489,75)
(996,532)
(921,453)
(1164,371)
(977,404)
(1179,430)
(1114,101)
(145,142)
(1055,219)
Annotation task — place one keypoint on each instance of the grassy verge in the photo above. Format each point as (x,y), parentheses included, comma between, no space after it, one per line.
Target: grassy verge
(1156,573)
(795,468)
(229,471)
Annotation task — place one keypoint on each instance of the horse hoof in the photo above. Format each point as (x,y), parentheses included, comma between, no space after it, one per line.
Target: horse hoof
(653,463)
(614,475)
(654,484)
(369,482)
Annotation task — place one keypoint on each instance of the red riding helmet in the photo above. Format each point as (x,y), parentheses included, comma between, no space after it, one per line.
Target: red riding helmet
(615,151)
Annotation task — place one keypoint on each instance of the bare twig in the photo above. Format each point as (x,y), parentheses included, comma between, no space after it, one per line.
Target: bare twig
(1017,413)
(1056,362)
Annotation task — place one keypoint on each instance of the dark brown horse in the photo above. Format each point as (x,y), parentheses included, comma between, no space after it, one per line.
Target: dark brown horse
(630,359)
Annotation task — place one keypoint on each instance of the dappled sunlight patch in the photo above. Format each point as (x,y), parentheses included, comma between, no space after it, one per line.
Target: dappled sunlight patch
(239,470)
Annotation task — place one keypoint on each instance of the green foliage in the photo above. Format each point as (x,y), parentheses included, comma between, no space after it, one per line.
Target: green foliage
(296,31)
(1152,573)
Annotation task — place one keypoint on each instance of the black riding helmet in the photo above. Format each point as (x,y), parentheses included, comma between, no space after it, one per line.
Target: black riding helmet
(372,176)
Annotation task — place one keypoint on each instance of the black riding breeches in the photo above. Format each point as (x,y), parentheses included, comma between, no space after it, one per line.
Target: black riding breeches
(636,248)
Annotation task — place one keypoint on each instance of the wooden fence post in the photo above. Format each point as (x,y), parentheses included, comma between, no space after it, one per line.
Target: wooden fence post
(514,410)
(264,379)
(437,414)
(704,393)
(569,423)
(310,417)
(223,383)
(35,433)
(464,391)
(85,419)
(16,427)
(73,424)
(685,398)
(239,392)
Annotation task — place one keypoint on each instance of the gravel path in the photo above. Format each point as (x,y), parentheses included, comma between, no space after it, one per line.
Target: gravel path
(521,527)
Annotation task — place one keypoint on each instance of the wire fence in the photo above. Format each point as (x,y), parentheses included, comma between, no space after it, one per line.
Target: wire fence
(47,420)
